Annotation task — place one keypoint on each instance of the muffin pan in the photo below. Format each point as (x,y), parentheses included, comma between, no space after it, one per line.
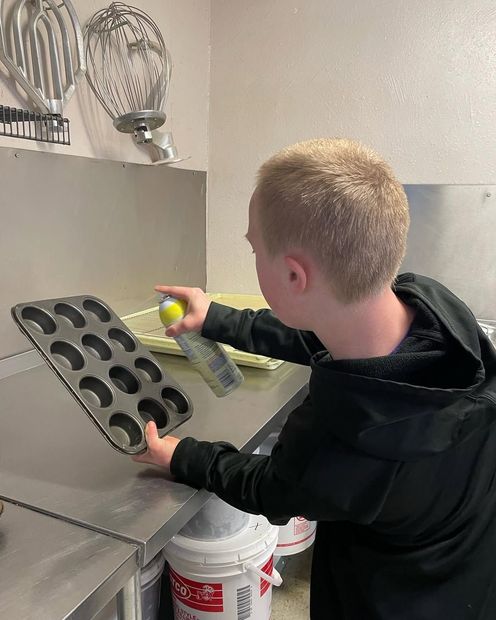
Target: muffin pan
(112,376)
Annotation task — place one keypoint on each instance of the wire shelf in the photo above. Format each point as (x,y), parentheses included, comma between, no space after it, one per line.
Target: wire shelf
(51,128)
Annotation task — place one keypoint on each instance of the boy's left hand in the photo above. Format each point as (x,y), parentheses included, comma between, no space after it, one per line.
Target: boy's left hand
(159,451)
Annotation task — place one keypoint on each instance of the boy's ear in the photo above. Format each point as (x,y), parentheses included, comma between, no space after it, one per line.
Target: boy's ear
(298,273)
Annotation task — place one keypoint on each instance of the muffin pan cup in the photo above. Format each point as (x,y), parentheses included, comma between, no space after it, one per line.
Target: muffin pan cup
(110,374)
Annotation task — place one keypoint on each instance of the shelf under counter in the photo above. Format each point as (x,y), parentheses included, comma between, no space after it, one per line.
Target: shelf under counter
(57,570)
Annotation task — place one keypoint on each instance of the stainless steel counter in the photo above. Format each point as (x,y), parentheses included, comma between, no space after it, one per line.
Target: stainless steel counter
(51,570)
(53,459)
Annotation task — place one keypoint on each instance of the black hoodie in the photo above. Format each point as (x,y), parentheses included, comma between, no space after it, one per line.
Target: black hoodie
(394,456)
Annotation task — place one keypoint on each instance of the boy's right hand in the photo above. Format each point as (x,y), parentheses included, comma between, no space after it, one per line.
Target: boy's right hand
(198,305)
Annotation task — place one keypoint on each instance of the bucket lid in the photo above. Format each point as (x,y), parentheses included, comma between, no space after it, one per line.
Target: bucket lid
(215,521)
(258,536)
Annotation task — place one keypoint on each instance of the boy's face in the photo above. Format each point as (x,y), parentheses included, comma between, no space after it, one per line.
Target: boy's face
(270,270)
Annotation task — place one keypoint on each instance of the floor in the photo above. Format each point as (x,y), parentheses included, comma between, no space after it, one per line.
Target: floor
(290,600)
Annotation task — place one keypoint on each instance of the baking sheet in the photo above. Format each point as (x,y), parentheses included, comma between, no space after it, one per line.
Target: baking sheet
(146,325)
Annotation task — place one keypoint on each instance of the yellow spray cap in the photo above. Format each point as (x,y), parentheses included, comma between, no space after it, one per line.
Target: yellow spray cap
(172,310)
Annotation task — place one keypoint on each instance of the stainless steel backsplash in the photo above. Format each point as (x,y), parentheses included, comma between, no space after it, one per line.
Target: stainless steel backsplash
(453,239)
(73,225)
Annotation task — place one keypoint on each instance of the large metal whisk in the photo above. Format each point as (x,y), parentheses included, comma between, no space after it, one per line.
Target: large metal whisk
(129,70)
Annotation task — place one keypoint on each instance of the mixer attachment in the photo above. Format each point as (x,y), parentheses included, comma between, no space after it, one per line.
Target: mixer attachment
(129,71)
(44,35)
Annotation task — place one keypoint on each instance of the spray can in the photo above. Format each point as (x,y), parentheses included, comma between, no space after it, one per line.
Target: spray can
(208,357)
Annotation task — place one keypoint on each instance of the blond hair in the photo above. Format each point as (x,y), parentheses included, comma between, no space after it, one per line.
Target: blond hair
(341,202)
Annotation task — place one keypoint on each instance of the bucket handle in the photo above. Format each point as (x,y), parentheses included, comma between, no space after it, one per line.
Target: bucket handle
(274,579)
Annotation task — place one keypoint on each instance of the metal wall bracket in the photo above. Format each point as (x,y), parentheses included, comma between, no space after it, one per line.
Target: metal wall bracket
(51,128)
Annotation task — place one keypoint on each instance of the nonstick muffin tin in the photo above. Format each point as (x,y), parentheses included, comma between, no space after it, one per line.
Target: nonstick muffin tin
(112,376)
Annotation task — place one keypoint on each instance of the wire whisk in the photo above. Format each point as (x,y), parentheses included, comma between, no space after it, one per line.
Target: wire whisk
(129,68)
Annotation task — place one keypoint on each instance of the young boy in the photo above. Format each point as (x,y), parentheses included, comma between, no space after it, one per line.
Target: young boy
(394,450)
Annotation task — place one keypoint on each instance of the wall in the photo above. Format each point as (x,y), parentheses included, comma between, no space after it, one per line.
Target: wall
(415,80)
(185,26)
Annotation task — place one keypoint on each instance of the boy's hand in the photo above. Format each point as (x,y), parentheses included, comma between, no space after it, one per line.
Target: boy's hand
(198,304)
(159,451)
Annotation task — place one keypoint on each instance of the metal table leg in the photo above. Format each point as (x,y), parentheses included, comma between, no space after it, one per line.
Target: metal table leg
(129,599)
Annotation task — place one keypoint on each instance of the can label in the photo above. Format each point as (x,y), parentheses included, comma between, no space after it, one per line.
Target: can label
(212,362)
(208,357)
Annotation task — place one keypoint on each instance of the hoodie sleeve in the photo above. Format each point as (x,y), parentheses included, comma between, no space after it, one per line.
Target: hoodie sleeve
(308,473)
(259,332)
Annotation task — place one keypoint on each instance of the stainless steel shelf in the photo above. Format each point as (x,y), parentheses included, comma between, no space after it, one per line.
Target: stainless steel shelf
(55,570)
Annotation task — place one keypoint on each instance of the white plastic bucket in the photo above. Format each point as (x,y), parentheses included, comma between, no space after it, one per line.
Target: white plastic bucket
(150,592)
(224,579)
(296,536)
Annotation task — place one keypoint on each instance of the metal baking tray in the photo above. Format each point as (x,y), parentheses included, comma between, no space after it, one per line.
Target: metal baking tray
(148,328)
(111,375)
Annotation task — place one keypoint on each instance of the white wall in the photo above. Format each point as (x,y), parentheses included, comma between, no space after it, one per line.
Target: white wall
(415,80)
(185,26)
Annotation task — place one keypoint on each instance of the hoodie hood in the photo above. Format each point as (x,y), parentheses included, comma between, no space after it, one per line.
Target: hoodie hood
(403,419)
